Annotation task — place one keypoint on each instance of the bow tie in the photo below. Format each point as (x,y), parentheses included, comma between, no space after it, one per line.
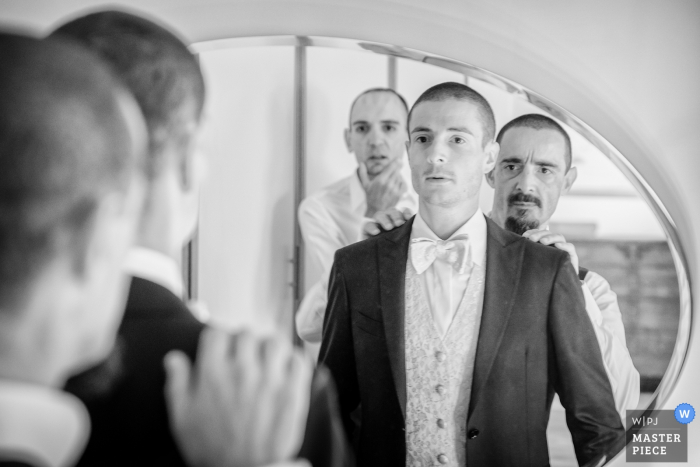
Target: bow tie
(455,251)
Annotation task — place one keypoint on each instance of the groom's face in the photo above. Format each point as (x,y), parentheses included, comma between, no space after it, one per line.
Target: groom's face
(446,151)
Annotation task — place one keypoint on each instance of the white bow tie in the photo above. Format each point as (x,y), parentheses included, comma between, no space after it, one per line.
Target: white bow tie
(455,251)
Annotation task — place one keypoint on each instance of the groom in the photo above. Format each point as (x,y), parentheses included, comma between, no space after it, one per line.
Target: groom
(450,335)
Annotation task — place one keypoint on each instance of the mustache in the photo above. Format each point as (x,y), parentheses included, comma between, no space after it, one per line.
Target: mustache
(524,198)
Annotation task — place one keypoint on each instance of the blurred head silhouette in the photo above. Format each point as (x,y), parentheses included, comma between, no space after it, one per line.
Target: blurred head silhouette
(71,138)
(166,80)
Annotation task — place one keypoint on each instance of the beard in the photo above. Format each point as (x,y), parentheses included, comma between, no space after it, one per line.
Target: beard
(519,223)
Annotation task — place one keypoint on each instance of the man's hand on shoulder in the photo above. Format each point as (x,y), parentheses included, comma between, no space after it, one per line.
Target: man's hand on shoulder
(243,403)
(386,220)
(385,190)
(546,237)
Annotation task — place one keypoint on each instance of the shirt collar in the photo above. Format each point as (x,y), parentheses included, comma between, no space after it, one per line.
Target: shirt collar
(475,228)
(42,425)
(156,267)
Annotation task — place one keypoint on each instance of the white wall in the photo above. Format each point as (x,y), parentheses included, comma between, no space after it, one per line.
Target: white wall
(246,229)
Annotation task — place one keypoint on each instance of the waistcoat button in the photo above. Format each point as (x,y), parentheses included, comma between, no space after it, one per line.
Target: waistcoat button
(440,423)
(443,459)
(473,433)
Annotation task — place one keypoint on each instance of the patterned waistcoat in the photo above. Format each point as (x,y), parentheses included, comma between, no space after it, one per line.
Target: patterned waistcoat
(439,373)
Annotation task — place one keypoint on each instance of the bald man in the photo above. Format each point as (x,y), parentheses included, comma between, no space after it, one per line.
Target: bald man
(71,138)
(334,216)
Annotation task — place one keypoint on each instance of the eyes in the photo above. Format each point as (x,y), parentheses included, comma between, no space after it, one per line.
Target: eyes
(425,139)
(513,168)
(384,127)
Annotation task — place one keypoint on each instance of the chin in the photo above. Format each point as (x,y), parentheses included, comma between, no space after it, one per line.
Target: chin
(521,224)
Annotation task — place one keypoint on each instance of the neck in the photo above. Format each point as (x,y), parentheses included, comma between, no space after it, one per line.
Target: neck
(498,217)
(29,348)
(446,220)
(159,226)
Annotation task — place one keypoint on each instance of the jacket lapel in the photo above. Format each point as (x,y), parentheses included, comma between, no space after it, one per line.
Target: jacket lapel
(392,254)
(504,258)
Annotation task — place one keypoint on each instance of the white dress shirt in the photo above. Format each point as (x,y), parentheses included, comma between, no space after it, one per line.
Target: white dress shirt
(604,312)
(443,285)
(41,425)
(156,267)
(330,219)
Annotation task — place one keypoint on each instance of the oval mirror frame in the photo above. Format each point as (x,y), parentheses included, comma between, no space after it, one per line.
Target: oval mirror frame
(680,350)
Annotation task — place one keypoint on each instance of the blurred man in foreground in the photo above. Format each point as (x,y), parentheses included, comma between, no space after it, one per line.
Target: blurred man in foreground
(125,394)
(71,138)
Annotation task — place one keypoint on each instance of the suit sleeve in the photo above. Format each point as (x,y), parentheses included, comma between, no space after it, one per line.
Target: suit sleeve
(337,351)
(581,380)
(325,443)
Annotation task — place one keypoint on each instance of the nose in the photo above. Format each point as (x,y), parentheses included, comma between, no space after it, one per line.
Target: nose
(437,153)
(375,137)
(527,179)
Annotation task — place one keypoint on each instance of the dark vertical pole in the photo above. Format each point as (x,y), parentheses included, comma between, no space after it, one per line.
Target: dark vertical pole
(299,176)
(190,258)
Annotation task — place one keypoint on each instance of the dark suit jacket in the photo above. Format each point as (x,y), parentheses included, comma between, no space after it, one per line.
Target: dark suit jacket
(125,398)
(535,338)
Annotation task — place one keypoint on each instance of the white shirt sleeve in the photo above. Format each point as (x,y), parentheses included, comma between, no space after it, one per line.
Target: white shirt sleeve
(322,238)
(604,312)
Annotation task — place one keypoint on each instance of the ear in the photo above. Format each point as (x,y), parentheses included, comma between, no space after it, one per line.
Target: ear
(569,179)
(346,135)
(490,178)
(491,151)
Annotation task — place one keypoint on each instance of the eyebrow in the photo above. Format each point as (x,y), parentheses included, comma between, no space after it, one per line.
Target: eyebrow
(461,129)
(517,159)
(365,122)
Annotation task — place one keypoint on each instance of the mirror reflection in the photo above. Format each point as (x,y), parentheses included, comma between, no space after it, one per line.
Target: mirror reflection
(273,105)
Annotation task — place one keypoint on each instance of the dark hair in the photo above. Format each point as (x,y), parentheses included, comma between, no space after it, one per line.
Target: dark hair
(64,144)
(538,122)
(462,92)
(372,90)
(155,65)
